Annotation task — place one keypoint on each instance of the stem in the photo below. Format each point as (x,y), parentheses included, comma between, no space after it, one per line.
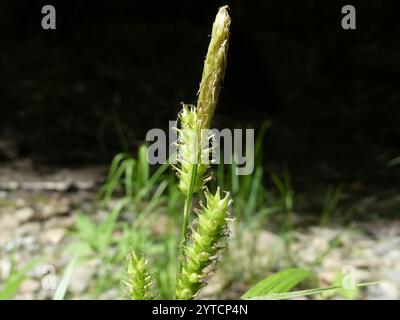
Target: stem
(186,213)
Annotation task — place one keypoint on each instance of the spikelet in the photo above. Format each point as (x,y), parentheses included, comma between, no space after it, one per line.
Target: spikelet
(214,67)
(194,139)
(140,282)
(193,147)
(207,238)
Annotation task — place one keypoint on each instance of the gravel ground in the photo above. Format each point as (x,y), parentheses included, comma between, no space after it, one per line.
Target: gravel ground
(37,212)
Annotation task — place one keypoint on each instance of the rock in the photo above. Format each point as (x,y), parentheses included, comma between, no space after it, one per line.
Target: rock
(30,228)
(4,238)
(24,214)
(266,240)
(9,185)
(44,295)
(393,255)
(24,296)
(20,203)
(383,291)
(8,222)
(111,294)
(52,236)
(29,285)
(252,249)
(161,227)
(327,277)
(215,284)
(387,245)
(55,207)
(59,222)
(392,275)
(18,242)
(5,268)
(80,279)
(334,260)
(85,185)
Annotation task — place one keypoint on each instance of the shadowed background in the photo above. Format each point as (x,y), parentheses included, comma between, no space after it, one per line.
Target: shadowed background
(113,70)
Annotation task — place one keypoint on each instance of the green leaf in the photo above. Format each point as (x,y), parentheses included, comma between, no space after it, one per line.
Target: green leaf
(130,165)
(15,280)
(282,281)
(86,229)
(63,285)
(82,248)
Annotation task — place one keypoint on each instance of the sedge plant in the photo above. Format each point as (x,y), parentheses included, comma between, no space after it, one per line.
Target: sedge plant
(200,246)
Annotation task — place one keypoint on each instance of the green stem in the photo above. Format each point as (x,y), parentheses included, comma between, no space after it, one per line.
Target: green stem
(186,213)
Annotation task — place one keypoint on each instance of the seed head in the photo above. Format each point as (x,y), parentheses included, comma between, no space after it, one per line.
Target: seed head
(140,282)
(207,240)
(193,148)
(214,68)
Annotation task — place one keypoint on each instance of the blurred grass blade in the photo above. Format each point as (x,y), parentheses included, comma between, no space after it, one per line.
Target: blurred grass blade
(14,281)
(106,189)
(63,285)
(394,162)
(115,164)
(221,172)
(143,168)
(106,228)
(153,179)
(331,200)
(254,192)
(130,165)
(303,293)
(280,282)
(294,294)
(234,177)
(155,200)
(113,183)
(120,132)
(259,143)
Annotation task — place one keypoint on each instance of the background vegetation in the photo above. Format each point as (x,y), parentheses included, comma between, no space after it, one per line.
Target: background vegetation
(324,102)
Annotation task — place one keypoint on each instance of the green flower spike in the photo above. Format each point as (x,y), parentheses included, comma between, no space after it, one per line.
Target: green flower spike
(214,67)
(207,240)
(140,283)
(193,147)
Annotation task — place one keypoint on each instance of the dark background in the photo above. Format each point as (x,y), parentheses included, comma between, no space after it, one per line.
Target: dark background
(332,95)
